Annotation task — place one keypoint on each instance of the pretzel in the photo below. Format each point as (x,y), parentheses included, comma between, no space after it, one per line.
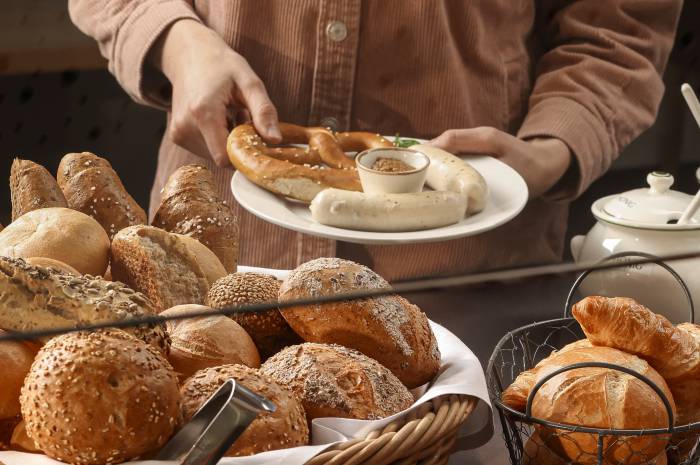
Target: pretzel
(295,172)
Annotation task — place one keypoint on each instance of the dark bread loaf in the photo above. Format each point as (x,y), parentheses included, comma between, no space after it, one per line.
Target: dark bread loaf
(190,205)
(32,187)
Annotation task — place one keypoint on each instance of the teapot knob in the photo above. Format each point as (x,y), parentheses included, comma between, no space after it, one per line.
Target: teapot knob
(660,182)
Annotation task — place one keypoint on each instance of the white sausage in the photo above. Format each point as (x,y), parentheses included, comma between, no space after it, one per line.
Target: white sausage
(448,172)
(387,212)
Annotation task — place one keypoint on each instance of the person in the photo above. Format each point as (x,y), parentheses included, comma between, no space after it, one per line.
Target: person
(556,89)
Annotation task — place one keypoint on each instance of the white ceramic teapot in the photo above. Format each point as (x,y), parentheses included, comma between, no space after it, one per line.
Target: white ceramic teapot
(644,220)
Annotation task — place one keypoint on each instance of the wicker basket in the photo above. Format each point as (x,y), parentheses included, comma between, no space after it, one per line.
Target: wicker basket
(424,437)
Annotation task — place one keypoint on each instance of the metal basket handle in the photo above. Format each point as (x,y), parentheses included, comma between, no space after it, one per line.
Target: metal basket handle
(654,258)
(611,366)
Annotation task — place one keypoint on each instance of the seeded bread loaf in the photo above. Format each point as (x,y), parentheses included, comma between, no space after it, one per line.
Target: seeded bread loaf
(190,205)
(94,188)
(99,397)
(388,329)
(157,263)
(334,381)
(33,297)
(269,330)
(285,427)
(32,187)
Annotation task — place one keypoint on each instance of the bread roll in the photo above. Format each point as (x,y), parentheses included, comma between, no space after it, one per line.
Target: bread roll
(51,263)
(389,329)
(60,233)
(20,440)
(93,187)
(334,381)
(101,397)
(158,264)
(269,330)
(197,343)
(610,322)
(15,359)
(284,428)
(190,205)
(207,260)
(32,187)
(40,298)
(6,428)
(600,398)
(537,452)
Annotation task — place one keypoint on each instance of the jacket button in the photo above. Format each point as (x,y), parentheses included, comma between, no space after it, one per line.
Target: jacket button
(336,31)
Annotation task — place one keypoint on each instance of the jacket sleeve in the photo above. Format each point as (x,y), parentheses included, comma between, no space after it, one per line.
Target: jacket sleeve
(599,84)
(125,31)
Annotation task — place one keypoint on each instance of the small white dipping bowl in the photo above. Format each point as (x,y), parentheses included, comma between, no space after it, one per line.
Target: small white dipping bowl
(385,182)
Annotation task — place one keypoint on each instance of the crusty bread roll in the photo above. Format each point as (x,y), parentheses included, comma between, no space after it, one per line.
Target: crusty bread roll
(269,330)
(197,343)
(51,263)
(94,188)
(20,440)
(15,359)
(37,297)
(190,205)
(334,381)
(7,427)
(389,329)
(600,398)
(536,452)
(60,233)
(32,187)
(209,263)
(610,322)
(157,263)
(100,397)
(282,429)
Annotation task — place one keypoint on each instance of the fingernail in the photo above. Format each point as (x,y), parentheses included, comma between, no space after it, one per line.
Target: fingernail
(274,133)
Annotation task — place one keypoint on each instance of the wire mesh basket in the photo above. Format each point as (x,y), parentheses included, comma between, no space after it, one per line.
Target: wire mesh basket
(536,441)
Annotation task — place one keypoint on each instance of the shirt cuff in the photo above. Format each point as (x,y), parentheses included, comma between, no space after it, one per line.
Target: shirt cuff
(590,143)
(142,81)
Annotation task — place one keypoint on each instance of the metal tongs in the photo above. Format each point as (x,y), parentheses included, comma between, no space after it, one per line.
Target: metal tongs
(216,425)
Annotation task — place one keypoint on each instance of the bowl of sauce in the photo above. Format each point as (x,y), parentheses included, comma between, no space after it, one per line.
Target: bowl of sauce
(392,170)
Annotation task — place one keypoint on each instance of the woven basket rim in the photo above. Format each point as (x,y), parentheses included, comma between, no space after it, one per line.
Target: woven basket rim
(427,431)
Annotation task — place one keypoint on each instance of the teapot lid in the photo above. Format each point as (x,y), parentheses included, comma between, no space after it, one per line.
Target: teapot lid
(656,207)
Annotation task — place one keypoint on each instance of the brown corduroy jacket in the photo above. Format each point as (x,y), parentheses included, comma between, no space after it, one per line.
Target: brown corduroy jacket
(585,71)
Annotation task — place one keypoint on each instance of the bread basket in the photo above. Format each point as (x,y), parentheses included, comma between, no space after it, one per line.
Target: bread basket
(522,348)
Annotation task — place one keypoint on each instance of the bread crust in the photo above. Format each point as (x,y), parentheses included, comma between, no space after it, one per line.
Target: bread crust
(191,206)
(210,264)
(269,330)
(51,263)
(599,398)
(33,297)
(284,428)
(389,329)
(62,234)
(158,264)
(100,397)
(15,358)
(32,187)
(91,186)
(334,381)
(198,343)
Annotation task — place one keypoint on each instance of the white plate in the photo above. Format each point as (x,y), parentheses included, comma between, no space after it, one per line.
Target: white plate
(507,197)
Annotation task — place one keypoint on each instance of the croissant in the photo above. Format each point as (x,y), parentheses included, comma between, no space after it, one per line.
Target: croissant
(625,324)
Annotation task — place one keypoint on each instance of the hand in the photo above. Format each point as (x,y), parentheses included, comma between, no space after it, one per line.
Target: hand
(211,83)
(542,162)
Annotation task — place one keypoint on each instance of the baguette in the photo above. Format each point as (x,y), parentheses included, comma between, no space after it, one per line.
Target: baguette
(191,206)
(32,187)
(93,187)
(33,297)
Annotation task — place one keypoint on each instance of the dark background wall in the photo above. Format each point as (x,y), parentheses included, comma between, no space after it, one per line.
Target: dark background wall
(56,97)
